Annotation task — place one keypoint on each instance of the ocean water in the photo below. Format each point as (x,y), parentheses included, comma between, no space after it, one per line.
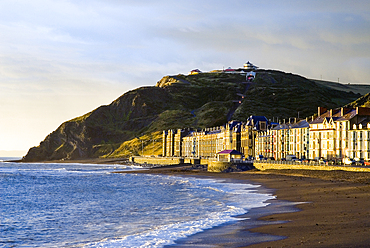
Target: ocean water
(79,205)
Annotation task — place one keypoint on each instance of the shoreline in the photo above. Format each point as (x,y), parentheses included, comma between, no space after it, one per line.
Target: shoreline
(238,233)
(335,213)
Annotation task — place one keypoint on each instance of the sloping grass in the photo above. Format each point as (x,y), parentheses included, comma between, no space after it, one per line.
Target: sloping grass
(148,144)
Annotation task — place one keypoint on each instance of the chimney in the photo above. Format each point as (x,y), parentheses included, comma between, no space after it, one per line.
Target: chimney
(321,110)
(344,111)
(362,111)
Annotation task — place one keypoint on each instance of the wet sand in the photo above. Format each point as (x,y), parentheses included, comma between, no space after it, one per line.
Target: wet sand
(335,210)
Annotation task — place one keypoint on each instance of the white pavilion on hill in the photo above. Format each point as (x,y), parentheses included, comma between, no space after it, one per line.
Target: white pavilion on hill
(250,66)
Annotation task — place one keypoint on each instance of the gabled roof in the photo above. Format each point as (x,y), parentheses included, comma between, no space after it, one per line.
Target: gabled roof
(336,115)
(231,152)
(254,121)
(299,124)
(235,125)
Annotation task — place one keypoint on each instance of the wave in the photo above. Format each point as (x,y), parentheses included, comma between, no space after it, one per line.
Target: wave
(141,210)
(159,236)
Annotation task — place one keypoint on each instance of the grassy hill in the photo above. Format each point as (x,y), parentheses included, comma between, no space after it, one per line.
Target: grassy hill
(356,88)
(135,120)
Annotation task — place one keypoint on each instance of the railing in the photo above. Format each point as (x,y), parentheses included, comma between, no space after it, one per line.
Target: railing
(313,163)
(241,161)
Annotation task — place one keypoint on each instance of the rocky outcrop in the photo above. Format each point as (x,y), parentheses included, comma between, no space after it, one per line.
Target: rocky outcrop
(122,120)
(194,101)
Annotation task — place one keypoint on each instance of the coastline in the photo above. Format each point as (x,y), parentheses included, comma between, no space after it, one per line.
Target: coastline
(334,212)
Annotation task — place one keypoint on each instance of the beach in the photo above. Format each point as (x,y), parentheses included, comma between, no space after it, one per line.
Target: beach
(323,208)
(334,209)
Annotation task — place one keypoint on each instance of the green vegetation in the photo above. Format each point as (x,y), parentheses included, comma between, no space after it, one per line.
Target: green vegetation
(133,123)
(149,144)
(356,88)
(363,101)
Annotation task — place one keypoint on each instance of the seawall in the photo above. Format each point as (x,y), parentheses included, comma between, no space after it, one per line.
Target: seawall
(297,166)
(157,160)
(217,166)
(168,160)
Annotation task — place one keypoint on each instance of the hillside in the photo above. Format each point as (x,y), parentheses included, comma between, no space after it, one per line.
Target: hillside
(363,101)
(356,88)
(128,125)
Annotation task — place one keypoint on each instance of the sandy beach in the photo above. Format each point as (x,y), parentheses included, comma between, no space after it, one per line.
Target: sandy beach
(334,209)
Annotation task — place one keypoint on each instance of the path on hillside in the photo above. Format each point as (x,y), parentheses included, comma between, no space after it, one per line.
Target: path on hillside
(238,102)
(181,80)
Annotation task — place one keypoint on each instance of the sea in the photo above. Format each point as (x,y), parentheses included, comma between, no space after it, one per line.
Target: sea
(87,205)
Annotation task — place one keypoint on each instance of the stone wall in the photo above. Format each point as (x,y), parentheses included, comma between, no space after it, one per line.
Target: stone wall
(157,160)
(281,166)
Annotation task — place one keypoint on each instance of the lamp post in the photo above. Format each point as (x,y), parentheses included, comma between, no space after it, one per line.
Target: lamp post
(142,145)
(142,148)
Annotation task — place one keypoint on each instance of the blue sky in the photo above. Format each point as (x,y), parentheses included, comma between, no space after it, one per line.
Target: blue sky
(61,59)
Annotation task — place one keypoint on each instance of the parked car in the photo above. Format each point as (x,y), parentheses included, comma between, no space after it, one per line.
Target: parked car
(260,157)
(313,161)
(318,160)
(330,162)
(359,161)
(291,158)
(322,161)
(348,161)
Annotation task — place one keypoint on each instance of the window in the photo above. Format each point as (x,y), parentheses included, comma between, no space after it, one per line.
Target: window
(263,125)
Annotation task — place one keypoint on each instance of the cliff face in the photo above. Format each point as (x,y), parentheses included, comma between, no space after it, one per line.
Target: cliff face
(96,133)
(197,101)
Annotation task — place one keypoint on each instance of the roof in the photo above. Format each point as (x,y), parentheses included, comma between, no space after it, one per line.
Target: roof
(231,152)
(254,120)
(234,125)
(229,69)
(336,115)
(299,124)
(249,65)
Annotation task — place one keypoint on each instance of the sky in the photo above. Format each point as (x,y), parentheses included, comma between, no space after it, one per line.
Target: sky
(60,59)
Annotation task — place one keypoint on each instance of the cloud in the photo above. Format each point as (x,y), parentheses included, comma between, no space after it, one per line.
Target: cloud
(65,58)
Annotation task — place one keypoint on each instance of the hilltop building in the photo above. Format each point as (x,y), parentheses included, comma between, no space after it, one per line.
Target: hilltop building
(229,70)
(250,66)
(195,71)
